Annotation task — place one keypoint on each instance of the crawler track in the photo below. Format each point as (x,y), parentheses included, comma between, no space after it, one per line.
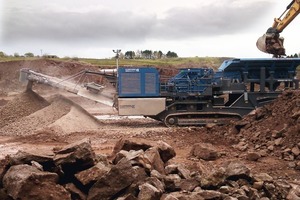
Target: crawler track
(198,119)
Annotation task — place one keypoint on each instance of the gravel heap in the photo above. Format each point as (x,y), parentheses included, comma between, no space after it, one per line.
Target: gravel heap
(62,116)
(23,105)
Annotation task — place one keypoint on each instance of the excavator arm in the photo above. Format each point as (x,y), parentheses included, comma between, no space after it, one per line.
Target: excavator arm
(271,42)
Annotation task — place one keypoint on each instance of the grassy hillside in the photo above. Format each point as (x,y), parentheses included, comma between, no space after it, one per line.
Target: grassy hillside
(172,62)
(213,62)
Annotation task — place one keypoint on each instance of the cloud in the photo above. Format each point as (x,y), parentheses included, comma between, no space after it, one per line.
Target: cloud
(228,17)
(75,26)
(105,26)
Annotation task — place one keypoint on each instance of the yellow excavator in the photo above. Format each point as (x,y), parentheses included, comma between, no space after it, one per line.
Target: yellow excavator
(271,42)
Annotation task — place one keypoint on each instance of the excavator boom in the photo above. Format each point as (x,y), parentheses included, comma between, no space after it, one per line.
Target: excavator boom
(271,42)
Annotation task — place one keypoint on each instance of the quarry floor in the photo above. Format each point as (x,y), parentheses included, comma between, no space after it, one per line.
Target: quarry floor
(76,124)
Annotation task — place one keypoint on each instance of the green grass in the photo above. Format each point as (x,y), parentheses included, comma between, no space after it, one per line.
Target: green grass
(163,62)
(167,62)
(7,59)
(191,62)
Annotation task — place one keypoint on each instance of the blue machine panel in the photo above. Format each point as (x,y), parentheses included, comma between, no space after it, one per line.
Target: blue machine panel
(138,82)
(279,67)
(195,80)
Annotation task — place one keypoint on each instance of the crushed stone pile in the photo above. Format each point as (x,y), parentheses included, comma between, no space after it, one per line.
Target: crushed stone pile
(272,130)
(23,105)
(280,119)
(62,116)
(76,120)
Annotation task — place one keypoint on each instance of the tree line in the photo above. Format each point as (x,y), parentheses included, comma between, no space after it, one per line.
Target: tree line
(139,54)
(294,56)
(148,54)
(28,54)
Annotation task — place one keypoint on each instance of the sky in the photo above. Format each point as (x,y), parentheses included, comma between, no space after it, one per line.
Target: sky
(94,28)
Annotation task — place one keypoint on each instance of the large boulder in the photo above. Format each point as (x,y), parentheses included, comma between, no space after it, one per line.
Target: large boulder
(149,192)
(166,152)
(116,180)
(92,174)
(236,170)
(132,144)
(75,157)
(214,179)
(4,166)
(154,157)
(26,157)
(27,182)
(204,151)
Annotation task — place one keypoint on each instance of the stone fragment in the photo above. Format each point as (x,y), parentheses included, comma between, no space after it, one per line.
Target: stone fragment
(118,178)
(140,174)
(262,177)
(296,151)
(210,125)
(241,146)
(283,187)
(271,148)
(278,141)
(294,193)
(214,179)
(27,182)
(132,144)
(296,115)
(25,157)
(156,183)
(130,155)
(263,153)
(292,165)
(258,185)
(37,165)
(237,170)
(260,113)
(208,194)
(172,182)
(148,192)
(225,189)
(168,197)
(188,184)
(240,124)
(156,174)
(178,169)
(75,157)
(252,156)
(92,174)
(171,169)
(183,172)
(276,134)
(297,165)
(4,166)
(166,152)
(204,151)
(127,197)
(154,157)
(76,194)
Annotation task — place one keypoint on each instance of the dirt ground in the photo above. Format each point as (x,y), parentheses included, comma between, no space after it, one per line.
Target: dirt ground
(45,118)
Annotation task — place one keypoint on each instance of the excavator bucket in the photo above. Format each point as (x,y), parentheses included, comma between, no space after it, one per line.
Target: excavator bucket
(272,44)
(261,43)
